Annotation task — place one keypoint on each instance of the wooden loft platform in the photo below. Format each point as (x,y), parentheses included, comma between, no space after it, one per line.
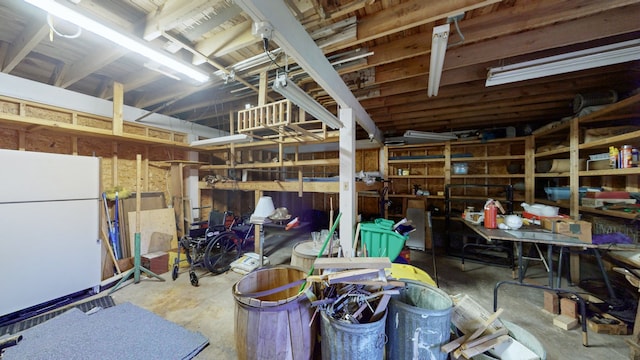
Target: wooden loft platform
(287,186)
(29,116)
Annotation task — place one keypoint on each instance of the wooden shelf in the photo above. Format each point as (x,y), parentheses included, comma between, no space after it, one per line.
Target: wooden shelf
(287,186)
(617,179)
(487,160)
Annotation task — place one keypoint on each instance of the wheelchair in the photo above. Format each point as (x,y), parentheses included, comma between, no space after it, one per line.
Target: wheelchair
(214,249)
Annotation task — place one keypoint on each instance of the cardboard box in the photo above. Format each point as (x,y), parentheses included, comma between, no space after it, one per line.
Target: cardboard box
(607,324)
(574,228)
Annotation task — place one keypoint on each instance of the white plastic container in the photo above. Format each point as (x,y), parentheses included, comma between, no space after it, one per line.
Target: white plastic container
(540,209)
(460,168)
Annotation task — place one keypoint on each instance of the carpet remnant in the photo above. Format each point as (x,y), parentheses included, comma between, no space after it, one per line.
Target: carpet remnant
(121,332)
(101,302)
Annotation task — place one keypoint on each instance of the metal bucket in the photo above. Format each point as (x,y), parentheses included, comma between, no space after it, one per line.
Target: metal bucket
(344,340)
(419,322)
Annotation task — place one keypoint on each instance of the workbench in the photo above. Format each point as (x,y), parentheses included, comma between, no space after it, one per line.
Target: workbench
(539,236)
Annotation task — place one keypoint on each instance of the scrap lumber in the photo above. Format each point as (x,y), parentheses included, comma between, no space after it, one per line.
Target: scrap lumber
(565,322)
(382,306)
(486,324)
(352,263)
(454,344)
(349,276)
(458,343)
(480,340)
(607,324)
(485,346)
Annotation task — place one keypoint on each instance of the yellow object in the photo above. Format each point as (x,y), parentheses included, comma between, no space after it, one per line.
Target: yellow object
(122,193)
(183,259)
(410,272)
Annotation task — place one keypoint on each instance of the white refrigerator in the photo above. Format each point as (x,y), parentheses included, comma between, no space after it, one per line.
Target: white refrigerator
(49,227)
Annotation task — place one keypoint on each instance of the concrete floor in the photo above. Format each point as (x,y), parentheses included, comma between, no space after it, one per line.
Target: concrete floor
(209,308)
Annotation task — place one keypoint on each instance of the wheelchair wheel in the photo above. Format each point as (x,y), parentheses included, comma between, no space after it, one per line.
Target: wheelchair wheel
(221,252)
(194,278)
(174,272)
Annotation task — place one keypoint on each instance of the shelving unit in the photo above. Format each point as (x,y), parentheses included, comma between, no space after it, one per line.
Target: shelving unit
(576,148)
(429,167)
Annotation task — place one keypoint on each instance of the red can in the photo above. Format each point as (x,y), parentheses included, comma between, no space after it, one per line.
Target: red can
(491,217)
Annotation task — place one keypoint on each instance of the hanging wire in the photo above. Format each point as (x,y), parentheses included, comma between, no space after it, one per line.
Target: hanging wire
(53,29)
(455,22)
(265,46)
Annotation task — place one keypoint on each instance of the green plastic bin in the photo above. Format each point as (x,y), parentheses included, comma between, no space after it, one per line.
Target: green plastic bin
(381,241)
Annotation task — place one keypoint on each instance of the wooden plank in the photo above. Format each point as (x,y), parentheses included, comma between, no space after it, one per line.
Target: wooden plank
(454,344)
(353,263)
(480,340)
(382,306)
(153,221)
(565,322)
(149,201)
(118,106)
(354,275)
(488,345)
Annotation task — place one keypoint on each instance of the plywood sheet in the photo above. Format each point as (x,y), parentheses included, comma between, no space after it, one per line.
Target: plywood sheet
(153,224)
(148,201)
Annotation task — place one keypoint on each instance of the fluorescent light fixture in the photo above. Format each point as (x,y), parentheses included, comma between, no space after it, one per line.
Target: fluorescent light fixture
(283,85)
(438,49)
(430,135)
(560,64)
(222,140)
(65,13)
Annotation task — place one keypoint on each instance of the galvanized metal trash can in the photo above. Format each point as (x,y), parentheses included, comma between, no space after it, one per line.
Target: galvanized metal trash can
(418,322)
(342,340)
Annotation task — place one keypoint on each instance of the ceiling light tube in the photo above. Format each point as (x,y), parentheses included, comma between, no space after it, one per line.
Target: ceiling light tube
(283,85)
(118,38)
(222,140)
(438,49)
(560,64)
(430,135)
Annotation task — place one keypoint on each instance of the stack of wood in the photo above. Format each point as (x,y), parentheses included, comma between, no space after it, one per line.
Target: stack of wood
(482,331)
(478,341)
(354,290)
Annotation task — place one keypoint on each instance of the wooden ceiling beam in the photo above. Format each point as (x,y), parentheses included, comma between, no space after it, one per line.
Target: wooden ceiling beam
(85,67)
(29,38)
(599,26)
(411,14)
(234,38)
(566,83)
(170,14)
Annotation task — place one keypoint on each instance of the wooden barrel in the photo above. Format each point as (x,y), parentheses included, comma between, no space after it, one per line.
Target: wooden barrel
(305,253)
(272,315)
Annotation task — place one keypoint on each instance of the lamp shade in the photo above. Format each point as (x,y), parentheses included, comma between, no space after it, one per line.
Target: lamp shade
(264,208)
